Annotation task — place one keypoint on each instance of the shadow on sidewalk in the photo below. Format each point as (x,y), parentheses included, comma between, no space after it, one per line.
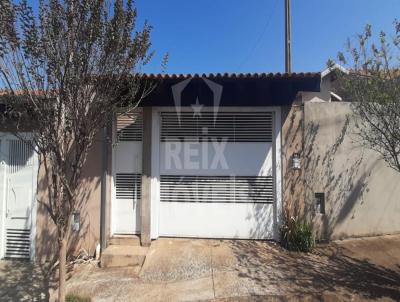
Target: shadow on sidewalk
(328,270)
(23,281)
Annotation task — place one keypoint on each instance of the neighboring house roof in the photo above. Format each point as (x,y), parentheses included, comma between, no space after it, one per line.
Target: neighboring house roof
(333,68)
(328,85)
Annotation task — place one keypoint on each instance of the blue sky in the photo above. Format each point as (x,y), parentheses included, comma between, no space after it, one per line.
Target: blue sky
(248,36)
(204,36)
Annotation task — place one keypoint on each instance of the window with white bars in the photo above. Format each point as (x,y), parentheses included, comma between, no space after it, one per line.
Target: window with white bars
(224,189)
(130,127)
(229,126)
(20,155)
(128,186)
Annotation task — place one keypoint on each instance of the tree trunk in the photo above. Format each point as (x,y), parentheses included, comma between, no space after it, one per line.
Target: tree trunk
(62,269)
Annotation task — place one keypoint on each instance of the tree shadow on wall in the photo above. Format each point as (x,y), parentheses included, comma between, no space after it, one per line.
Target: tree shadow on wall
(81,242)
(344,186)
(344,181)
(47,246)
(292,180)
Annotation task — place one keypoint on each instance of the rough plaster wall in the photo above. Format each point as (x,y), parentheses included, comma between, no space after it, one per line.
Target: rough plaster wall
(362,194)
(292,142)
(89,209)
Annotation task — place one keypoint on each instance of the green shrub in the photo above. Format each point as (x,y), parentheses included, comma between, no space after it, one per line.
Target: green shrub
(76,298)
(297,235)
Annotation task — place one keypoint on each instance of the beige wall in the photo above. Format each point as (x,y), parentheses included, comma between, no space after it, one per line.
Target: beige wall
(292,142)
(362,194)
(88,206)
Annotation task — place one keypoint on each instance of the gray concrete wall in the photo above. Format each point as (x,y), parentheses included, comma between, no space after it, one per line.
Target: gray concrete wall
(362,193)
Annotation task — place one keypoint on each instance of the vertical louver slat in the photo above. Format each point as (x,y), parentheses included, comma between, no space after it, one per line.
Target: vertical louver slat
(20,155)
(18,243)
(128,186)
(130,127)
(230,126)
(225,189)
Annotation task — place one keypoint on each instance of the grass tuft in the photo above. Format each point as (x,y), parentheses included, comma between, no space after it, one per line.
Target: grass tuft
(77,298)
(297,235)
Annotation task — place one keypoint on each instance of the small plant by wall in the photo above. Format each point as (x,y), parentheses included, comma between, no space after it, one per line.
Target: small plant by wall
(77,298)
(297,235)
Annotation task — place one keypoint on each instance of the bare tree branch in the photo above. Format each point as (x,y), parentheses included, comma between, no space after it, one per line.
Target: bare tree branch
(373,87)
(66,72)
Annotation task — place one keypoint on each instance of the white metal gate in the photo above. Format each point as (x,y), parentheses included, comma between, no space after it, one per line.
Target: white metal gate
(127,174)
(217,174)
(17,195)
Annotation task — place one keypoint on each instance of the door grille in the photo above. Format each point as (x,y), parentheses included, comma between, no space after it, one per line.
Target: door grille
(223,189)
(130,127)
(20,155)
(18,243)
(128,186)
(229,126)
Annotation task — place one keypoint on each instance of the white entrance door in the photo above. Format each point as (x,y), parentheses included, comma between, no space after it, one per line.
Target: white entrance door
(217,174)
(127,174)
(19,186)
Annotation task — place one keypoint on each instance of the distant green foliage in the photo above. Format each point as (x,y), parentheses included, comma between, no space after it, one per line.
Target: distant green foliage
(76,298)
(297,235)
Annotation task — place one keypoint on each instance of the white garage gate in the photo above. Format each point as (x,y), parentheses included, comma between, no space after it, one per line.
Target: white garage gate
(218,173)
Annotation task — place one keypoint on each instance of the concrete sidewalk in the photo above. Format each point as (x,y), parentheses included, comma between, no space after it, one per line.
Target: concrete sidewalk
(224,270)
(193,270)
